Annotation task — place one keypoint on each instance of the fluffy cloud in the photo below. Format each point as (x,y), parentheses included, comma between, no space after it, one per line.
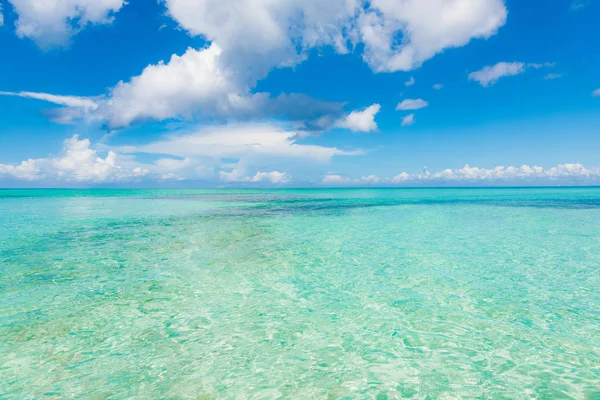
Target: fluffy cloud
(361,121)
(278,32)
(410,82)
(408,120)
(596,93)
(492,73)
(1,16)
(250,38)
(427,28)
(52,23)
(194,81)
(474,175)
(412,104)
(79,163)
(438,86)
(195,84)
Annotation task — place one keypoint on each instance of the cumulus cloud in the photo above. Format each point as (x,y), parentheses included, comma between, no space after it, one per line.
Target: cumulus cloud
(78,163)
(248,39)
(195,84)
(411,104)
(194,81)
(52,23)
(278,33)
(438,86)
(473,175)
(596,93)
(492,73)
(408,120)
(361,121)
(410,82)
(1,16)
(427,28)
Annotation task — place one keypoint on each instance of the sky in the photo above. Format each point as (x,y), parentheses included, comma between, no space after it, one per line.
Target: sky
(299,93)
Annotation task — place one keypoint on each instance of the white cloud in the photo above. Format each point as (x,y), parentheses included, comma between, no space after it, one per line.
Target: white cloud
(177,89)
(78,163)
(410,82)
(192,85)
(28,170)
(259,35)
(361,121)
(408,120)
(190,156)
(250,38)
(237,175)
(278,32)
(492,73)
(70,101)
(51,23)
(427,27)
(539,66)
(338,180)
(1,16)
(551,76)
(526,174)
(275,177)
(239,141)
(438,86)
(596,93)
(411,104)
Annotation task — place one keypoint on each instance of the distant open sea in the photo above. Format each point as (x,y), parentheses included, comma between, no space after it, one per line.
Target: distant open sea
(300,294)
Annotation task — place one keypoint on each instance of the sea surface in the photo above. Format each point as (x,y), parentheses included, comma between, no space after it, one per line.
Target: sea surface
(300,294)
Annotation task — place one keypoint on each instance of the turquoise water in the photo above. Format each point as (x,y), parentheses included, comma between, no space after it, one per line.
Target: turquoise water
(302,294)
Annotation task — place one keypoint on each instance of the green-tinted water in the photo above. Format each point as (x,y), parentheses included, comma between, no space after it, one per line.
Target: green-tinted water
(300,294)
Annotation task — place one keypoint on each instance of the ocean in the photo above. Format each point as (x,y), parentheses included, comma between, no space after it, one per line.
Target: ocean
(300,294)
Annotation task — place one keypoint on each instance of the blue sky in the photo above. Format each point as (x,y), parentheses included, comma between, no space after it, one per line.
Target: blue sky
(206,93)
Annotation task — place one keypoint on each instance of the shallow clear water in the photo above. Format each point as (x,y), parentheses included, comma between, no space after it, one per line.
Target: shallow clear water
(304,294)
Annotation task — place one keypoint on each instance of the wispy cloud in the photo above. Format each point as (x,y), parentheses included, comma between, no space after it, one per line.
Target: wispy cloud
(187,156)
(551,76)
(492,73)
(411,104)
(408,120)
(489,75)
(577,5)
(70,101)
